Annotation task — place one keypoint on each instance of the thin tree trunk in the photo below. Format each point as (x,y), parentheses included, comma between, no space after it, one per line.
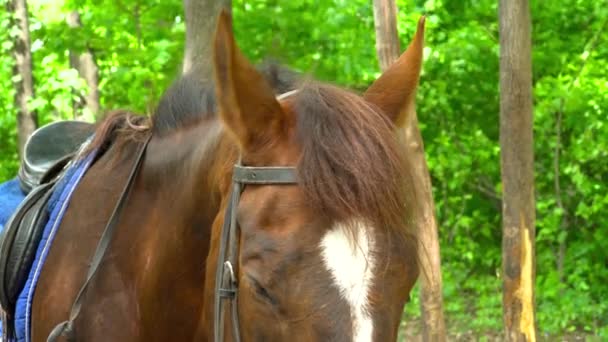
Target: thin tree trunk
(137,18)
(23,81)
(387,38)
(563,221)
(201,19)
(517,170)
(431,299)
(87,69)
(431,296)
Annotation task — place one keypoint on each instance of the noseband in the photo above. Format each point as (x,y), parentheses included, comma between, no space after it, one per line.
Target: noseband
(226,285)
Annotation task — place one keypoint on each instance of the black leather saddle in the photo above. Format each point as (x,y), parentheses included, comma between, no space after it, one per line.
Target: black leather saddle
(46,154)
(49,147)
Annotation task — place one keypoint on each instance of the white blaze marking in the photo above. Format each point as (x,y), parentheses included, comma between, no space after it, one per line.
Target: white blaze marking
(351,266)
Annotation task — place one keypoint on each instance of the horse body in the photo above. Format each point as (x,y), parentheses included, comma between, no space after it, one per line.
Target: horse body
(144,290)
(329,258)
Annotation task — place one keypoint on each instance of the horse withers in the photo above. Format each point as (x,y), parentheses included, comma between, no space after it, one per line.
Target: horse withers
(307,200)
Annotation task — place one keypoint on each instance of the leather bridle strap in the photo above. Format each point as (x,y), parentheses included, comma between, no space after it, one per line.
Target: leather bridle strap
(226,285)
(66,327)
(264,175)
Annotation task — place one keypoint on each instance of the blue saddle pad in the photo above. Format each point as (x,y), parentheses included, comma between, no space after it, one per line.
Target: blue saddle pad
(10,197)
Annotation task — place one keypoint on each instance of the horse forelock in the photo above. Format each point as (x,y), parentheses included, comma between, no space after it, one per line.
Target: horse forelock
(352,164)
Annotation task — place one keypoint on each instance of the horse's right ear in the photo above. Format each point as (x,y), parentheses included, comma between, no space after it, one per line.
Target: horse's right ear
(395,91)
(247,103)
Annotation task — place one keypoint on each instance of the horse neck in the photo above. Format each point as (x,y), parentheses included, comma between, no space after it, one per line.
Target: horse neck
(181,184)
(182,169)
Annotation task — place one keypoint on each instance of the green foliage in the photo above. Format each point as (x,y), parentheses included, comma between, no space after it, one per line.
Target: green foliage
(8,120)
(138,46)
(286,30)
(571,82)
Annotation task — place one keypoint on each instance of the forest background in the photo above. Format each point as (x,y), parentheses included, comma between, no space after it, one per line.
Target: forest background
(138,47)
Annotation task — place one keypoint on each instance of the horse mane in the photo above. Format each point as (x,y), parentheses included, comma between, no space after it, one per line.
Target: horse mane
(352,163)
(187,100)
(118,127)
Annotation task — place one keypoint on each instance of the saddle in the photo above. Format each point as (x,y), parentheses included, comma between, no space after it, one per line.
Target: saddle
(48,148)
(46,154)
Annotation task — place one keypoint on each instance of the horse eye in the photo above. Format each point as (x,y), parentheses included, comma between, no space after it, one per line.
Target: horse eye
(261,292)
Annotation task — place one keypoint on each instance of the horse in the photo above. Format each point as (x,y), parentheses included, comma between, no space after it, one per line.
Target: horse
(323,243)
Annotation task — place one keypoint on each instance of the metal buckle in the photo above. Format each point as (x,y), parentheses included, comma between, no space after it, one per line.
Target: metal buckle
(228,267)
(228,275)
(227,293)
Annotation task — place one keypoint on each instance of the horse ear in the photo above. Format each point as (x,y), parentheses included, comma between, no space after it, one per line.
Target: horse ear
(395,90)
(246,102)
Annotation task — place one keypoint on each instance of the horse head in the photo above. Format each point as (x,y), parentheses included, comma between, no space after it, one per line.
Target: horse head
(330,256)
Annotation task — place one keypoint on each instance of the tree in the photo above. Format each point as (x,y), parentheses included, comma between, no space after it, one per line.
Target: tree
(85,64)
(387,37)
(431,299)
(23,81)
(517,171)
(201,19)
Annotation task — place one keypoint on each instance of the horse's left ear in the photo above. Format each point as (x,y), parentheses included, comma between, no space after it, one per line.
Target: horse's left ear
(395,91)
(247,103)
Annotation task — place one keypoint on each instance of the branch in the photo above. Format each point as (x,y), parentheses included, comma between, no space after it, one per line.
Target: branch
(488,192)
(589,47)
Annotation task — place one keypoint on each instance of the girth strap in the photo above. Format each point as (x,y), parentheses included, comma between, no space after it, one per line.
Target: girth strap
(66,328)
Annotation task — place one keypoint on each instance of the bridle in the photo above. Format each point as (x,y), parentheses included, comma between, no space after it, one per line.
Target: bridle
(226,285)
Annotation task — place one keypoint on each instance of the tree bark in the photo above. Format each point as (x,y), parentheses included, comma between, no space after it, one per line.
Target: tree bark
(387,38)
(201,19)
(23,81)
(431,295)
(431,299)
(517,170)
(87,69)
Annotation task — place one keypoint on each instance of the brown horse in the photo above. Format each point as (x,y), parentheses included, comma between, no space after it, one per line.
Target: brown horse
(331,258)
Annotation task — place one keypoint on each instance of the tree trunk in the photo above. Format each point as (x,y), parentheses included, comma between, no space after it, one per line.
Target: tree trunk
(87,69)
(431,296)
(387,38)
(23,81)
(517,170)
(201,19)
(431,299)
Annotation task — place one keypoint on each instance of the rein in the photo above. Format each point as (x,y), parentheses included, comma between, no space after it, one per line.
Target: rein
(226,285)
(66,327)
